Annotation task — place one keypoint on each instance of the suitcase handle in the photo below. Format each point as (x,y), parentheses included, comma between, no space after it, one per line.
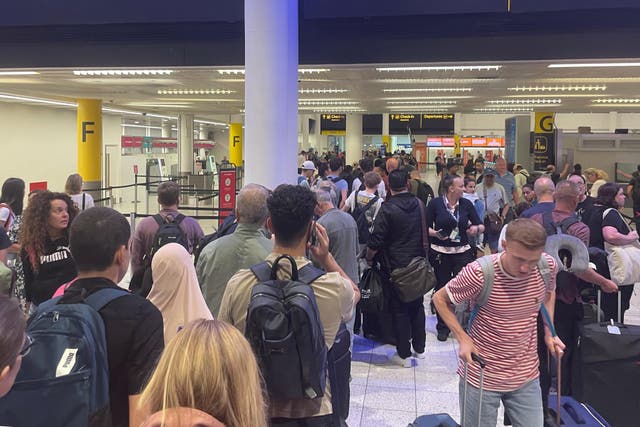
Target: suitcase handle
(479,360)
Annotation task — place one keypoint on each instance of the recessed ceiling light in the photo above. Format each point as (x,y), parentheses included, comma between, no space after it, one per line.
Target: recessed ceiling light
(124,125)
(231,71)
(195,92)
(402,98)
(117,111)
(208,122)
(419,107)
(121,73)
(503,110)
(18,73)
(596,65)
(437,81)
(313,70)
(38,100)
(304,91)
(525,101)
(444,68)
(427,102)
(431,89)
(302,102)
(560,88)
(617,101)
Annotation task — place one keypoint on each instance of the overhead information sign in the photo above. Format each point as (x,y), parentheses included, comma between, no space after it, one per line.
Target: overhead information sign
(333,124)
(372,124)
(399,124)
(436,124)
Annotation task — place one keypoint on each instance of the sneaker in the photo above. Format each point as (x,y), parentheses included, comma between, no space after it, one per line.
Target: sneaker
(422,355)
(442,336)
(405,363)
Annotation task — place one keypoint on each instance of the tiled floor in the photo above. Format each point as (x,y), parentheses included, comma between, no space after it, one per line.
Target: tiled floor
(385,394)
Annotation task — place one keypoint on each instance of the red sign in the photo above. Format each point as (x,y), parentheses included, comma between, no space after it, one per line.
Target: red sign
(39,185)
(135,169)
(227,193)
(131,141)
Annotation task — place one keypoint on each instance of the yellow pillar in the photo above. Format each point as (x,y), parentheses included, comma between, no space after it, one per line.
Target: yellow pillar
(90,142)
(235,143)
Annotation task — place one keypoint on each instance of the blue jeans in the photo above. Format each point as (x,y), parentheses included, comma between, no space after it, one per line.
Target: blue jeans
(523,405)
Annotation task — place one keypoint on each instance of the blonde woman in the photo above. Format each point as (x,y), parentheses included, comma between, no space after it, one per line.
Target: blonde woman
(207,376)
(597,178)
(73,188)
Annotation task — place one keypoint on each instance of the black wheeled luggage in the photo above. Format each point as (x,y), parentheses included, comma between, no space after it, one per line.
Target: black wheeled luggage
(607,371)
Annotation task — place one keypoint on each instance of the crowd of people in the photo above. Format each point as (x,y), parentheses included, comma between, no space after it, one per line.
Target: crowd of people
(204,343)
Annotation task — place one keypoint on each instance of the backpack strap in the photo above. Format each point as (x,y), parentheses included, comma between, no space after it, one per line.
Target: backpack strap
(99,299)
(549,226)
(488,274)
(178,219)
(262,271)
(309,274)
(367,206)
(159,219)
(566,223)
(545,271)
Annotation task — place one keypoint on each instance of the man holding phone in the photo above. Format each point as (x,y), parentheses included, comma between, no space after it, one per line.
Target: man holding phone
(291,209)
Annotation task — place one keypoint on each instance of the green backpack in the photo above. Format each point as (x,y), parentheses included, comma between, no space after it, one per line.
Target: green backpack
(7,280)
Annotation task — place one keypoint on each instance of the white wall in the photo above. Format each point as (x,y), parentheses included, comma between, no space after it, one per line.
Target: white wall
(39,143)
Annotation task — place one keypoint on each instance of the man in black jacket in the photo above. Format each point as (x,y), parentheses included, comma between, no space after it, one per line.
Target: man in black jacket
(397,239)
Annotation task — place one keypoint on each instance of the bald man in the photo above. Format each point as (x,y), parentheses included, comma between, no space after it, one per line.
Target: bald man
(544,189)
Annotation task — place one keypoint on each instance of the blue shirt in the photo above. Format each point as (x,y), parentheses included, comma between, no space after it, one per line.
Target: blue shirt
(508,181)
(439,217)
(540,208)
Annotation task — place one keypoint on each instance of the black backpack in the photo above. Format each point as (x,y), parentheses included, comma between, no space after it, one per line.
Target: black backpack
(285,332)
(228,227)
(422,190)
(359,215)
(169,231)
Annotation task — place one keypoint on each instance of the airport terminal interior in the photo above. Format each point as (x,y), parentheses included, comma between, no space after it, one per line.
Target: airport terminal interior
(189,120)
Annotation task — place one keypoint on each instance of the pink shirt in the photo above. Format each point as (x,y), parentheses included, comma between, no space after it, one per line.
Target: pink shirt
(504,331)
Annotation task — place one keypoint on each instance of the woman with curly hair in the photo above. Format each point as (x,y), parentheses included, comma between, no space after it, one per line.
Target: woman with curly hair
(207,376)
(46,260)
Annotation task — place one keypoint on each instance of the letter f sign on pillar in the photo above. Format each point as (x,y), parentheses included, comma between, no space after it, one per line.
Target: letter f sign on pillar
(86,130)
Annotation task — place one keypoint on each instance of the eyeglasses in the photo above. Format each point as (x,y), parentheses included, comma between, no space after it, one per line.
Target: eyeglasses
(26,347)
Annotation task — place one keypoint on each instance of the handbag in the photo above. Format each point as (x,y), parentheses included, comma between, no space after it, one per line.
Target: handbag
(492,221)
(417,278)
(372,287)
(623,260)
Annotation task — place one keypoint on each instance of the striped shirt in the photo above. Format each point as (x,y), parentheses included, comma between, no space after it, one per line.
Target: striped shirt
(504,331)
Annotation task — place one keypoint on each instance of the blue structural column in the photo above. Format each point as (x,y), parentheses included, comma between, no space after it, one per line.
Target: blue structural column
(271,91)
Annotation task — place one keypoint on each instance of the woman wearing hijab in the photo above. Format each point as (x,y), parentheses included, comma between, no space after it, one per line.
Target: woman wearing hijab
(175,291)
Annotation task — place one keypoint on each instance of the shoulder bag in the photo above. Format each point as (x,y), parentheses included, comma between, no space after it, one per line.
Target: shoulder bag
(623,260)
(417,278)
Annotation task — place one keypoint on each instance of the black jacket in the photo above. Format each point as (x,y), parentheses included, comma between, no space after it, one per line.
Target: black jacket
(397,232)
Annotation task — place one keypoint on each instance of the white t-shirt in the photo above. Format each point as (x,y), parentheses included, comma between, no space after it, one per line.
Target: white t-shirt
(77,199)
(6,217)
(382,191)
(363,198)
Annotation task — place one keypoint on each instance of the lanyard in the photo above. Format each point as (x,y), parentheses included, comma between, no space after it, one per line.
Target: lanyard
(454,215)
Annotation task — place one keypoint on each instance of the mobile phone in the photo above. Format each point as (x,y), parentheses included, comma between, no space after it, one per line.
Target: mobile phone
(314,236)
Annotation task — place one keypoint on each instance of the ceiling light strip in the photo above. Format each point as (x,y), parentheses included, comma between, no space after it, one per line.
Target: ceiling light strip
(316,91)
(195,91)
(595,65)
(503,110)
(525,101)
(444,101)
(431,89)
(18,73)
(616,101)
(557,88)
(121,73)
(443,68)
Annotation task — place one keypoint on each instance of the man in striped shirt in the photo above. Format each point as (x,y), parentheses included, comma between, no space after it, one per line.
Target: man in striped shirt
(504,330)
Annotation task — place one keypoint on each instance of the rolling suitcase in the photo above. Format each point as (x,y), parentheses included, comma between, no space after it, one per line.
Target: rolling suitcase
(445,420)
(568,412)
(607,370)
